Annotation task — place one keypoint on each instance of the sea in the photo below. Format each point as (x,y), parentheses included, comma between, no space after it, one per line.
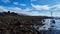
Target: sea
(50,24)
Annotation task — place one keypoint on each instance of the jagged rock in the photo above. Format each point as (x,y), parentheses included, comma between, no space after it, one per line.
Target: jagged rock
(18,24)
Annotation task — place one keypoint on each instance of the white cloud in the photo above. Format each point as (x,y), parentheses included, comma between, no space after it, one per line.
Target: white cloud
(15,9)
(30,11)
(58,6)
(56,14)
(33,0)
(27,9)
(40,7)
(35,13)
(12,9)
(3,8)
(56,10)
(16,3)
(23,4)
(19,10)
(5,1)
(23,11)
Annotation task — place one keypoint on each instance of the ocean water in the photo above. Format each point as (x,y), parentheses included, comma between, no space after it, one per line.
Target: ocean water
(48,23)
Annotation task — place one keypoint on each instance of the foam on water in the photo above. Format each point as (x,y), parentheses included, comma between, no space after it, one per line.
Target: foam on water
(48,24)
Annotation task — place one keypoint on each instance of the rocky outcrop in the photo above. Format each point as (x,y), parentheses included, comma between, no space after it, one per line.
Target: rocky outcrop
(13,23)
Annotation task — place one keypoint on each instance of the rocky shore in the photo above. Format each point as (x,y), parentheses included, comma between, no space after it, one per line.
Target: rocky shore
(14,23)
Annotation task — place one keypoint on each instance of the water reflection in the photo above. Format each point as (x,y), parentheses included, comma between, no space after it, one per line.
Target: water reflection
(52,24)
(49,22)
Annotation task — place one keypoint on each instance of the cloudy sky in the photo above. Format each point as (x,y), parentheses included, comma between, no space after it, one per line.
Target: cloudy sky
(32,7)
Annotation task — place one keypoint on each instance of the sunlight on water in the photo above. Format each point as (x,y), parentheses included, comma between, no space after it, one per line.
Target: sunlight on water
(48,23)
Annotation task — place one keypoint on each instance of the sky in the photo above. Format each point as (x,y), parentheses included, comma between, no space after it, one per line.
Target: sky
(32,7)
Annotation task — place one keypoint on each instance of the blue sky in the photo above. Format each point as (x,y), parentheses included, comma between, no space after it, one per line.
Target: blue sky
(31,7)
